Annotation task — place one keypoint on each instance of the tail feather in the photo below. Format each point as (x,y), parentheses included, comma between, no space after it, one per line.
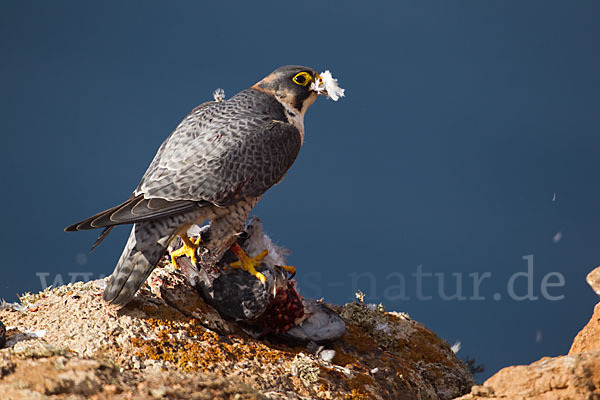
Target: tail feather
(146,245)
(102,236)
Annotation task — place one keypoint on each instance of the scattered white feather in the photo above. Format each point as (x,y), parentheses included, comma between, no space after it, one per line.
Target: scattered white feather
(557,237)
(456,347)
(219,95)
(328,84)
(38,333)
(4,305)
(259,241)
(553,197)
(327,355)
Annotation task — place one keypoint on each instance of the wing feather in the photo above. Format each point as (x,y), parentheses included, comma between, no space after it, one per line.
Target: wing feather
(224,152)
(220,153)
(135,209)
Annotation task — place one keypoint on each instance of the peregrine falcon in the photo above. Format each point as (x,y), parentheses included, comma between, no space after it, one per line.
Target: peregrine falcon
(215,166)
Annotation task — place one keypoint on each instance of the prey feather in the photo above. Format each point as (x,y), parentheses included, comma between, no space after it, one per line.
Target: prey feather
(326,83)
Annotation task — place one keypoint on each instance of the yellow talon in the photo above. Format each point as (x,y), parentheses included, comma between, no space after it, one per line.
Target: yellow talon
(247,263)
(189,248)
(288,268)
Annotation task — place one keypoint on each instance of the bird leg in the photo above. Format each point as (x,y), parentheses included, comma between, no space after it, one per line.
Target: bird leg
(189,248)
(247,263)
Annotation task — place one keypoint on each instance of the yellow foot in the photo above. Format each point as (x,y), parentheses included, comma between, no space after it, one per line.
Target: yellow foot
(189,249)
(248,263)
(288,268)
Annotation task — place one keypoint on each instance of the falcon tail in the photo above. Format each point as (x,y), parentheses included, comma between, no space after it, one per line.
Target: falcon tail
(102,236)
(137,262)
(146,245)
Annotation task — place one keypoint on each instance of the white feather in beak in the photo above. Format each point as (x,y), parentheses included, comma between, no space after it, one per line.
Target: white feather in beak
(327,85)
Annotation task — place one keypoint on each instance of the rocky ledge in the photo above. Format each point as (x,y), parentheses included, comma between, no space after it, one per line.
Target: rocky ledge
(573,376)
(168,343)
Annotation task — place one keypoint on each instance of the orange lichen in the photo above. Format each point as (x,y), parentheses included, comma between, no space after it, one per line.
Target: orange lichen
(191,347)
(358,389)
(358,395)
(357,385)
(323,387)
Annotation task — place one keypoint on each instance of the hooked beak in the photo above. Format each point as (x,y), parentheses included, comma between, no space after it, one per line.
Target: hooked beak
(320,88)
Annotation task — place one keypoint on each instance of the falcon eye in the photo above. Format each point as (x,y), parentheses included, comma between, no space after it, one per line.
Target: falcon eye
(302,78)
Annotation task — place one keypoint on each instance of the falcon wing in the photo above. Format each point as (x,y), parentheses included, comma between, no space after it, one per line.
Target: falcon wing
(135,209)
(219,159)
(211,157)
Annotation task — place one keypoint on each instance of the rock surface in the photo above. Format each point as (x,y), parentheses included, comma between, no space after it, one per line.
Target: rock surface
(589,337)
(593,279)
(574,376)
(168,343)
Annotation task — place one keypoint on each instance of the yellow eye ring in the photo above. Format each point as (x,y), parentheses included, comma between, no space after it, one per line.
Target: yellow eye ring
(302,78)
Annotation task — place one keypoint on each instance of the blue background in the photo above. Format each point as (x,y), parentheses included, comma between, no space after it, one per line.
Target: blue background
(461,120)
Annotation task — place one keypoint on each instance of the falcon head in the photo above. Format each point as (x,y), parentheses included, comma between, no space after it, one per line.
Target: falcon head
(296,87)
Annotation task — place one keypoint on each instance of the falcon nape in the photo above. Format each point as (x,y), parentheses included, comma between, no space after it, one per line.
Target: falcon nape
(215,166)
